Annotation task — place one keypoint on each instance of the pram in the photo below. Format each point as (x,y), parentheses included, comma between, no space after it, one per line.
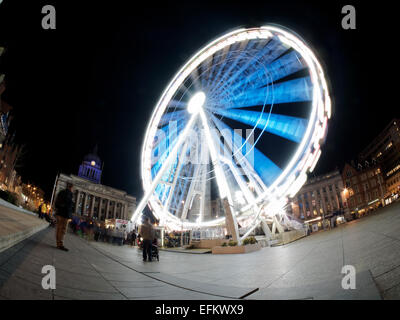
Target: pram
(154,252)
(154,249)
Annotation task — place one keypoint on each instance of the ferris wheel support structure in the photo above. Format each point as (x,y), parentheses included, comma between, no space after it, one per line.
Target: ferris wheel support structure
(142,204)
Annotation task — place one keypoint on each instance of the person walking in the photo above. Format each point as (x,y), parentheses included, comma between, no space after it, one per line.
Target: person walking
(125,237)
(43,210)
(64,205)
(147,233)
(133,238)
(40,215)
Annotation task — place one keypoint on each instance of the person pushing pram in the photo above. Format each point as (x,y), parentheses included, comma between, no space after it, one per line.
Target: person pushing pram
(146,230)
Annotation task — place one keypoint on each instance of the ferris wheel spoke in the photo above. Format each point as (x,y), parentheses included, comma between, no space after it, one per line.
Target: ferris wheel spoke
(272,50)
(227,58)
(246,45)
(236,172)
(178,169)
(179,104)
(278,69)
(282,67)
(164,156)
(265,168)
(215,58)
(297,90)
(166,136)
(173,116)
(290,128)
(219,174)
(164,168)
(247,64)
(235,143)
(190,194)
(205,68)
(194,76)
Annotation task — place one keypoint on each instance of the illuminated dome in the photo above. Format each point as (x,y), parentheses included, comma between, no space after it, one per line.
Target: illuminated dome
(91,167)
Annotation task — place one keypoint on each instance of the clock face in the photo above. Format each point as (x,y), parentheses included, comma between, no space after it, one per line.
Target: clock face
(93,163)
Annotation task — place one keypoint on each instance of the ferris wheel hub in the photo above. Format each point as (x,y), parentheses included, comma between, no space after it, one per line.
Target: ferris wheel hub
(196,102)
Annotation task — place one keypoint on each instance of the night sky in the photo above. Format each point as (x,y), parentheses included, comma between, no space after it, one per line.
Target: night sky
(97,77)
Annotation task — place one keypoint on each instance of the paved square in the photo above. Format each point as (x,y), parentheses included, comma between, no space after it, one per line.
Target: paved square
(309,268)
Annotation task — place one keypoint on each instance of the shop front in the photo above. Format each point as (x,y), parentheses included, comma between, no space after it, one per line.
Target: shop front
(391,198)
(314,225)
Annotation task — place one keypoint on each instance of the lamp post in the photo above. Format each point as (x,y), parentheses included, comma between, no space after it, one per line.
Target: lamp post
(380,187)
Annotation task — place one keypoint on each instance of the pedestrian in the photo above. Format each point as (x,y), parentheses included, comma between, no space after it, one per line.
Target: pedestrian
(121,237)
(40,212)
(64,205)
(147,232)
(125,237)
(133,238)
(96,231)
(43,210)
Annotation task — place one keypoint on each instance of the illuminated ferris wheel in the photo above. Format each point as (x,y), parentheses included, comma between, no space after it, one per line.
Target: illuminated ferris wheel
(240,124)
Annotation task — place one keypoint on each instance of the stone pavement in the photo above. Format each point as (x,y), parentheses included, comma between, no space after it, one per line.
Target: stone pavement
(17,224)
(309,268)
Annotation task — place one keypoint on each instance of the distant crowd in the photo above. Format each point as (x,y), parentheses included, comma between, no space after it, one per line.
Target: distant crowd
(86,227)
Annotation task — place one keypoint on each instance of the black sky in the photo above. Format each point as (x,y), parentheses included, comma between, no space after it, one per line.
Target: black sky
(96,78)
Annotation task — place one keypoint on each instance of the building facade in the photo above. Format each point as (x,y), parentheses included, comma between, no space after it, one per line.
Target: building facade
(92,199)
(9,150)
(365,186)
(321,201)
(384,150)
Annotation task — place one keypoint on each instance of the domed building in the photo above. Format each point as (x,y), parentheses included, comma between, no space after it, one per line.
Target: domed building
(94,200)
(90,168)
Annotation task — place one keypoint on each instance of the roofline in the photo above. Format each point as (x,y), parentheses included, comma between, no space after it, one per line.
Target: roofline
(373,142)
(97,184)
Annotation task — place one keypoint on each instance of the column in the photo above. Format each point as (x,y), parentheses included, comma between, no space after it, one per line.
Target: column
(92,206)
(115,208)
(107,208)
(324,206)
(78,195)
(84,204)
(100,205)
(303,201)
(125,213)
